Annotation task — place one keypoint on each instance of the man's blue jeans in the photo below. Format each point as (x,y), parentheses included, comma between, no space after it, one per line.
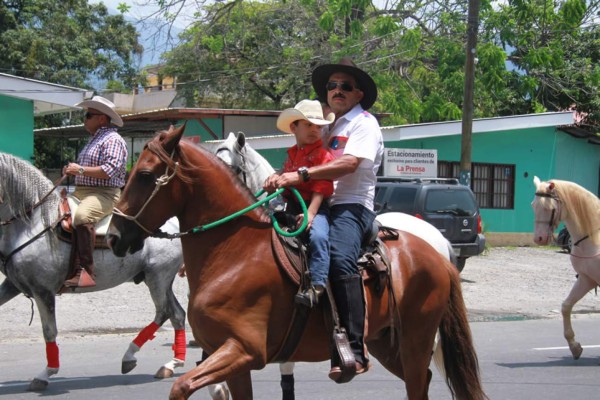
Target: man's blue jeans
(349,225)
(319,247)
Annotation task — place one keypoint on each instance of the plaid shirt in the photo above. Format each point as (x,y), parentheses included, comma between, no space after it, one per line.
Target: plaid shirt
(108,150)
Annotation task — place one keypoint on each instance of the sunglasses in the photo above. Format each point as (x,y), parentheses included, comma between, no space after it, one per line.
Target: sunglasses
(89,115)
(345,86)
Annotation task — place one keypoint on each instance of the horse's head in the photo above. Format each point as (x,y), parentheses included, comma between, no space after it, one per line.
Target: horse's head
(149,197)
(231,151)
(547,209)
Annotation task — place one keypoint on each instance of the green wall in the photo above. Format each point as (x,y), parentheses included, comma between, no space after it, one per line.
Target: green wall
(16,127)
(194,128)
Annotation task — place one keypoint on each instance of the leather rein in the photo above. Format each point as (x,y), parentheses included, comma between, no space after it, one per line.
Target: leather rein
(6,258)
(165,178)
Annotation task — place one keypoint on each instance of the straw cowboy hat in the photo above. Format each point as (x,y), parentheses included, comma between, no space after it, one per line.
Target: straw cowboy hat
(321,74)
(103,105)
(309,110)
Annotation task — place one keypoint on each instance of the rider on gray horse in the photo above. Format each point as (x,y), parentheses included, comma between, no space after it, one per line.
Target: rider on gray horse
(99,175)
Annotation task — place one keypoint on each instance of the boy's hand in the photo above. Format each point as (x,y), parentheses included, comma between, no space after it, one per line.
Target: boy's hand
(270,184)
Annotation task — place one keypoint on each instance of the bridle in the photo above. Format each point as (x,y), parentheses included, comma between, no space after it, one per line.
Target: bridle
(554,216)
(161,181)
(238,169)
(5,258)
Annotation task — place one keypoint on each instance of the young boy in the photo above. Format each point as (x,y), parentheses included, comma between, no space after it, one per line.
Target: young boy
(305,121)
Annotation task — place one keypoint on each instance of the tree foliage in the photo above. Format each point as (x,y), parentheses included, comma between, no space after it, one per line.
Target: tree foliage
(68,42)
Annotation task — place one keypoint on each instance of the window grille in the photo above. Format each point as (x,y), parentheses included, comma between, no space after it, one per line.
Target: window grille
(492,184)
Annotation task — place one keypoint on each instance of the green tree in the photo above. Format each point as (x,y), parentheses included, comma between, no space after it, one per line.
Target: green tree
(67,42)
(533,55)
(251,54)
(555,48)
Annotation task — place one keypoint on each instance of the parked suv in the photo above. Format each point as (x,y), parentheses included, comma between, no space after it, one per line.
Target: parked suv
(444,203)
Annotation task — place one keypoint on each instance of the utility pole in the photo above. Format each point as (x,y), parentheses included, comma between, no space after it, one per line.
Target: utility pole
(467,110)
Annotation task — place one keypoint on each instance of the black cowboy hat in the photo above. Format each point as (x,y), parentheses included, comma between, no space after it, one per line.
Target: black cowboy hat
(321,74)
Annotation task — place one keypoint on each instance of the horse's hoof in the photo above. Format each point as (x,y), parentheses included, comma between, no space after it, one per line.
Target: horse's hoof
(576,351)
(163,373)
(128,366)
(37,385)
(222,394)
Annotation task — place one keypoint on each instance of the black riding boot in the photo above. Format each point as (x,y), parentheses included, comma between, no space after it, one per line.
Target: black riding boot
(84,277)
(348,295)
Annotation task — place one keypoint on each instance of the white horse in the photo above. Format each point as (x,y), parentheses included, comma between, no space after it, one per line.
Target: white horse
(579,209)
(254,169)
(36,263)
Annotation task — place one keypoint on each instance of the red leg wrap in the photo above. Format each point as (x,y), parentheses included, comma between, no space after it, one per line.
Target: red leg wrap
(52,355)
(179,347)
(146,334)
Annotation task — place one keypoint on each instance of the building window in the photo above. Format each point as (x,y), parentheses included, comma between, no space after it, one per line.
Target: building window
(492,184)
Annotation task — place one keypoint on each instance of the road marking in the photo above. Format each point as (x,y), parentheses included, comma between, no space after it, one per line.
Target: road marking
(565,347)
(52,380)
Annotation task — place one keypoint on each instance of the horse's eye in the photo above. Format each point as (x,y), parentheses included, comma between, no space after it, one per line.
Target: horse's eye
(145,177)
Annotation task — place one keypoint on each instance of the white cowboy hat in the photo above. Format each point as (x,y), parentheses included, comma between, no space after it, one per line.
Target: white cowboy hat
(103,105)
(309,110)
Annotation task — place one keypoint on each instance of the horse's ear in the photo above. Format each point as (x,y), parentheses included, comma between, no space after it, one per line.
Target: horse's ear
(551,186)
(173,137)
(536,181)
(241,140)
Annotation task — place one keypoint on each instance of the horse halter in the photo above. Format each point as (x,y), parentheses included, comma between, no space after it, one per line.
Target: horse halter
(161,181)
(238,169)
(556,211)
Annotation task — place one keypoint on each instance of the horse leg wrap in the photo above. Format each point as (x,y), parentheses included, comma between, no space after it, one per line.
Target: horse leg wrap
(146,334)
(52,355)
(179,345)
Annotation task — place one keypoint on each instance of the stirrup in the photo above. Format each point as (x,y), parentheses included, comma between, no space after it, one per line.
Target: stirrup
(310,297)
(81,279)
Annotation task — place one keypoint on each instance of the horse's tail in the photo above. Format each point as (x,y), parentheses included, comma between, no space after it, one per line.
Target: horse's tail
(461,366)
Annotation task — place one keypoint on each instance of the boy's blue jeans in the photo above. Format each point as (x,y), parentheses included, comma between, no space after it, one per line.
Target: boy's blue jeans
(319,247)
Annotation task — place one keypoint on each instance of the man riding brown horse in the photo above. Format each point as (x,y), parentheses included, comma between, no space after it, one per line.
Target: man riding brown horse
(356,141)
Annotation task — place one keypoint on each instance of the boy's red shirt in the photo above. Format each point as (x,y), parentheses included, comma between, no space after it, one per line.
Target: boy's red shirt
(308,156)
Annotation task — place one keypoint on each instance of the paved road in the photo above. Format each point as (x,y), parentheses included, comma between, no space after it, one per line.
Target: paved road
(506,284)
(519,360)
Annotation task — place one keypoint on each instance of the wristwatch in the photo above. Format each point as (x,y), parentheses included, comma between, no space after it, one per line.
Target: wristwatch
(303,172)
(81,170)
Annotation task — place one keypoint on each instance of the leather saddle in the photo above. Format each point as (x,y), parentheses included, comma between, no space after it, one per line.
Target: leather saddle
(290,253)
(64,230)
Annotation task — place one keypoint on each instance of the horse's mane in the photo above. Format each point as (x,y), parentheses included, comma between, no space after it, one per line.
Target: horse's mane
(582,206)
(22,186)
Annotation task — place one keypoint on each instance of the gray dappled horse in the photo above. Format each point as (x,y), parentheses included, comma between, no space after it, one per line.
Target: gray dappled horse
(35,263)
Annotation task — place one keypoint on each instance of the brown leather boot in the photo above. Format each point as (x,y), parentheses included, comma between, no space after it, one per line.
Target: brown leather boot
(84,277)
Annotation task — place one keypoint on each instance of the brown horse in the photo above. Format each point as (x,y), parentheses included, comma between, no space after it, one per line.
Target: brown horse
(241,302)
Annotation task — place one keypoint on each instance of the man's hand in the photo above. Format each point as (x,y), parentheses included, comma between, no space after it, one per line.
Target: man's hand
(270,184)
(288,179)
(71,169)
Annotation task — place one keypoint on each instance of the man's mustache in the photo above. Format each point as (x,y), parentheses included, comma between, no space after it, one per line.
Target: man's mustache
(341,95)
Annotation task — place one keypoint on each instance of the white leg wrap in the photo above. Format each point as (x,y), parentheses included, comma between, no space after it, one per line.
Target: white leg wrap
(130,353)
(46,374)
(286,368)
(174,363)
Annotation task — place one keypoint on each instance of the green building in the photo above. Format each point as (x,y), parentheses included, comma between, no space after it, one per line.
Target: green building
(20,100)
